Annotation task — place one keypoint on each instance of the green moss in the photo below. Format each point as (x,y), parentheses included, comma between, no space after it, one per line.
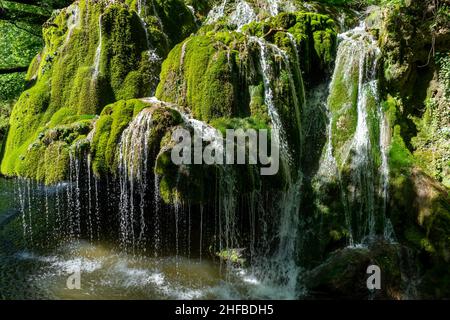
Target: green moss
(108,130)
(177,20)
(217,74)
(343,101)
(114,119)
(24,124)
(67,86)
(233,256)
(207,72)
(179,184)
(44,156)
(418,239)
(400,158)
(315,36)
(199,76)
(222,124)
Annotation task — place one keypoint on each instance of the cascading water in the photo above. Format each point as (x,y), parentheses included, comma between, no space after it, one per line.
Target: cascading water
(243,15)
(273,6)
(98,51)
(277,126)
(242,12)
(153,57)
(72,22)
(216,13)
(274,237)
(280,271)
(228,237)
(357,62)
(133,172)
(385,142)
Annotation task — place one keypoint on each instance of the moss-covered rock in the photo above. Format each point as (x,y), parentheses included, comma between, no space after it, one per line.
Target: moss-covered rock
(344,274)
(416,106)
(199,74)
(314,35)
(234,15)
(96,52)
(219,74)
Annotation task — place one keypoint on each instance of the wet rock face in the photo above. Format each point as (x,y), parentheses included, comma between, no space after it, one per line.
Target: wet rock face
(344,275)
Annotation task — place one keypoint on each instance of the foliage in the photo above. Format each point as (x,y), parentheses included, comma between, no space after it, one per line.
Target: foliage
(443,62)
(17,48)
(362,3)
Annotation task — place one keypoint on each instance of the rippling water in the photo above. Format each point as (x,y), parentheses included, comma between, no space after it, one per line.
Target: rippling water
(106,272)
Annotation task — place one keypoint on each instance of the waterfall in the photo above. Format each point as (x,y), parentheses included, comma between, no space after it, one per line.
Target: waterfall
(153,57)
(281,269)
(328,167)
(22,206)
(133,171)
(242,15)
(298,73)
(98,51)
(194,16)
(161,24)
(266,73)
(228,229)
(356,72)
(141,4)
(242,12)
(72,22)
(216,13)
(267,53)
(273,7)
(157,223)
(40,208)
(385,140)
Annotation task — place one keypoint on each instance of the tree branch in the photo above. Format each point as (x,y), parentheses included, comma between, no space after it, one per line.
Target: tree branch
(14,69)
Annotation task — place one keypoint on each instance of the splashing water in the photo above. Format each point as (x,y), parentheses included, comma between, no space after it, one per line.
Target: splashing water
(273,7)
(242,12)
(216,13)
(133,159)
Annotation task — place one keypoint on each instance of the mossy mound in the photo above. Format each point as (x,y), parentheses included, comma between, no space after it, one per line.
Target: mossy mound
(168,21)
(117,117)
(219,75)
(108,129)
(314,35)
(202,74)
(414,39)
(201,183)
(416,105)
(96,52)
